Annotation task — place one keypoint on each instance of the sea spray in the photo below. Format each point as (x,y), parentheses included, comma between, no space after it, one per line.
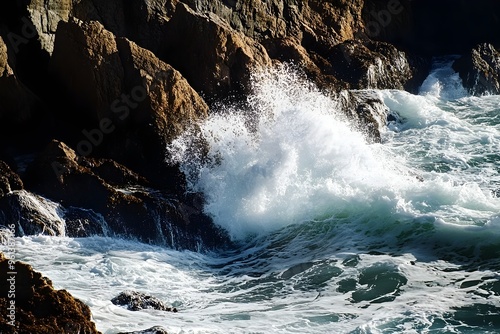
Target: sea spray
(289,156)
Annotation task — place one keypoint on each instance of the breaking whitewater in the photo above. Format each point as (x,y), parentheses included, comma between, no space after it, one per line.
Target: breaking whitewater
(334,234)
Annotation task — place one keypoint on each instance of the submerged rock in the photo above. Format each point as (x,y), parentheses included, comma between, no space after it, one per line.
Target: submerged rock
(39,308)
(367,109)
(136,301)
(152,330)
(480,70)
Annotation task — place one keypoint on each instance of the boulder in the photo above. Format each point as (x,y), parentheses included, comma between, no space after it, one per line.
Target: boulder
(367,110)
(31,214)
(152,330)
(39,308)
(135,301)
(480,70)
(134,103)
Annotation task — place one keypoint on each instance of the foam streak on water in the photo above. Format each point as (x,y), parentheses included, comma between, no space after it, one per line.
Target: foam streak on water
(335,235)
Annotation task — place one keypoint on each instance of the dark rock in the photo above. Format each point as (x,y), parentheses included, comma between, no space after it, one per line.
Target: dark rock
(134,103)
(152,330)
(38,307)
(367,109)
(370,65)
(227,56)
(135,301)
(9,180)
(129,210)
(17,102)
(140,21)
(31,214)
(480,70)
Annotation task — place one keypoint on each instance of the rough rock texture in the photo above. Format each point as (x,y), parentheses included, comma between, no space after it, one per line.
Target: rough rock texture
(140,21)
(45,16)
(367,109)
(87,63)
(39,308)
(480,70)
(314,22)
(127,209)
(136,103)
(9,180)
(31,214)
(371,65)
(135,301)
(215,59)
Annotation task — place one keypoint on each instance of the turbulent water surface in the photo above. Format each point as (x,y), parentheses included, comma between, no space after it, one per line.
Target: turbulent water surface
(335,235)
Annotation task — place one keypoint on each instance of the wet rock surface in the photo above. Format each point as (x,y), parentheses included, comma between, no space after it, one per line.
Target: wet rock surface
(39,308)
(135,301)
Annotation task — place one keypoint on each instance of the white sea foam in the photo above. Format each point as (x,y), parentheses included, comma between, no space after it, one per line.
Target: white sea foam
(291,157)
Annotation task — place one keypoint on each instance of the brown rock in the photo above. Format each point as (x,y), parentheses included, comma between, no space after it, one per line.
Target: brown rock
(39,308)
(126,209)
(370,65)
(45,16)
(136,103)
(87,63)
(140,21)
(214,58)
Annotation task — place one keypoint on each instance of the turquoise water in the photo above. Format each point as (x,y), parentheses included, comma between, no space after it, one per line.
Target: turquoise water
(333,234)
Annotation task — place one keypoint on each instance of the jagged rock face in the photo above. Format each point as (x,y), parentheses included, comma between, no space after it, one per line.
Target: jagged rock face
(140,21)
(123,206)
(480,70)
(316,22)
(87,63)
(45,16)
(127,92)
(215,59)
(370,65)
(38,307)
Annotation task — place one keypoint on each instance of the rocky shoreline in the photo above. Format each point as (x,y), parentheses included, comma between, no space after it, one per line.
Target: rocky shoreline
(92,93)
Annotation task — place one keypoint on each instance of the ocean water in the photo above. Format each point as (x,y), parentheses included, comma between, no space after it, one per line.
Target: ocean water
(333,234)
